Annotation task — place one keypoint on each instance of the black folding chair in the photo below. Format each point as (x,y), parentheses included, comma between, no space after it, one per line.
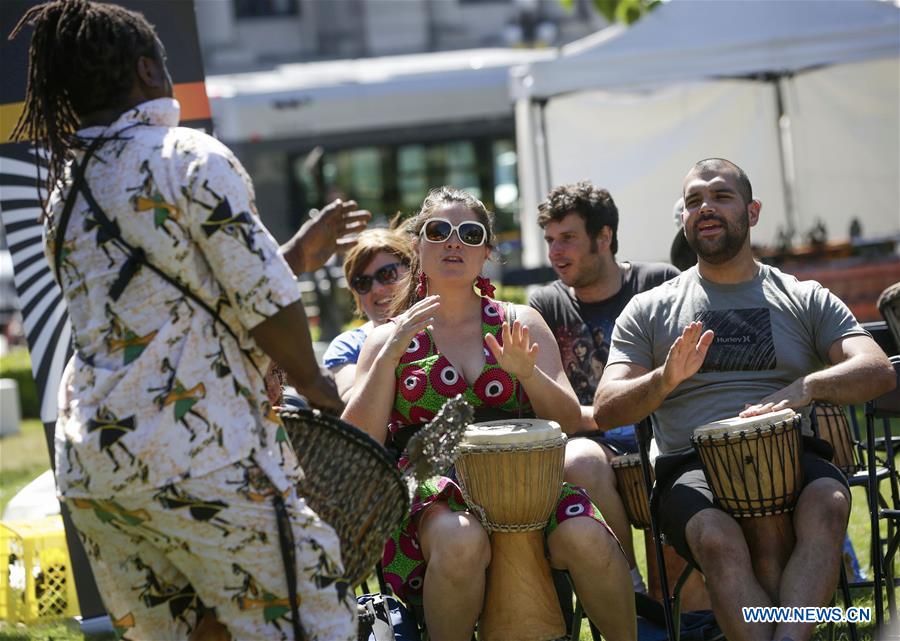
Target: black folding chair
(672,603)
(883,410)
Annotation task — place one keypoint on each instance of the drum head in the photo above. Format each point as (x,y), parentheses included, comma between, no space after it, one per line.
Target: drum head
(512,432)
(737,424)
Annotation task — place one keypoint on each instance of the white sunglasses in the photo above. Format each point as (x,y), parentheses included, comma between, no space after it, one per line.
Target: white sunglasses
(438,230)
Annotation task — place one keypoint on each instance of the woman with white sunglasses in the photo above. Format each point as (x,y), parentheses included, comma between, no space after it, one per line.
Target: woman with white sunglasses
(378,260)
(446,338)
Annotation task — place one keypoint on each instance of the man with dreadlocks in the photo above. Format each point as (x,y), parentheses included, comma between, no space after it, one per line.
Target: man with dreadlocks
(178,296)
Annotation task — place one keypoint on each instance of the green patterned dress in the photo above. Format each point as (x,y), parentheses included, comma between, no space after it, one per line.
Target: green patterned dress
(425,380)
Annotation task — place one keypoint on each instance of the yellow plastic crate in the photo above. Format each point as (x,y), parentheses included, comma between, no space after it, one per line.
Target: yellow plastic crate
(36,581)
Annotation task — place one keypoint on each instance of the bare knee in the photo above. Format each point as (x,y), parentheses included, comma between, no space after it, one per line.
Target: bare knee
(456,543)
(824,506)
(579,539)
(588,465)
(716,541)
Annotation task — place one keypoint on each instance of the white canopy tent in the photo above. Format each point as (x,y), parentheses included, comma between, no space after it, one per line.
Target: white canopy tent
(804,95)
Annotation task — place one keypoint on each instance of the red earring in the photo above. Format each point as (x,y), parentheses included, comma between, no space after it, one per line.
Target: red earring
(484,286)
(422,287)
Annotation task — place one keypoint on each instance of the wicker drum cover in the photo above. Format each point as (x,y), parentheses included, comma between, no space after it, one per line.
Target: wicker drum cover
(351,482)
(632,489)
(752,465)
(834,428)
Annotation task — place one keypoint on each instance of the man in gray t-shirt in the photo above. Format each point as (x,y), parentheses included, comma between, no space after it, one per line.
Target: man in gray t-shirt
(732,336)
(767,333)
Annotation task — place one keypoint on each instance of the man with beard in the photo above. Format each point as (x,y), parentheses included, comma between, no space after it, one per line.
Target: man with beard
(580,224)
(770,343)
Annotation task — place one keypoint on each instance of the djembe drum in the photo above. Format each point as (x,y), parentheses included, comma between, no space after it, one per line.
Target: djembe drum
(633,490)
(351,482)
(753,469)
(832,426)
(511,473)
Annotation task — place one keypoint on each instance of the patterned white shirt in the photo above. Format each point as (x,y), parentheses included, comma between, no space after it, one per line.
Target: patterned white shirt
(161,392)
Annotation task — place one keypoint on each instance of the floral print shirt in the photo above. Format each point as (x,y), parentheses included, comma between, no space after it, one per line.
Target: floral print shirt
(160,391)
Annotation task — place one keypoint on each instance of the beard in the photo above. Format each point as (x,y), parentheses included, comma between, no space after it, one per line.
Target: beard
(723,248)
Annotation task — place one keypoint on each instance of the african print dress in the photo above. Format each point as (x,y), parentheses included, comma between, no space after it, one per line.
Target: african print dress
(425,381)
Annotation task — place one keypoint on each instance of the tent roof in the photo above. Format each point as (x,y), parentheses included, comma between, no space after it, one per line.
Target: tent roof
(685,40)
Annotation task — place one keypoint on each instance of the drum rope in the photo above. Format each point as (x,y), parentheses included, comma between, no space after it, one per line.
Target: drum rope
(489,525)
(735,451)
(479,512)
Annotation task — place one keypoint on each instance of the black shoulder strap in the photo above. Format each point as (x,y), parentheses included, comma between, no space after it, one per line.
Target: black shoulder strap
(136,257)
(67,208)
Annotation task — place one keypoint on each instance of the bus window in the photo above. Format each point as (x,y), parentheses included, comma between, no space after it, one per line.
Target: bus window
(357,174)
(412,179)
(386,179)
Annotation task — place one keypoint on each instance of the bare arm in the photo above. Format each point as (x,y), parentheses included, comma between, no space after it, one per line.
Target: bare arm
(628,393)
(285,337)
(369,407)
(860,372)
(326,232)
(344,376)
(588,424)
(529,352)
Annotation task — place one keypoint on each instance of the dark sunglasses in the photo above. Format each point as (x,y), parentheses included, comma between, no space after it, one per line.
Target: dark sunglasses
(386,275)
(470,232)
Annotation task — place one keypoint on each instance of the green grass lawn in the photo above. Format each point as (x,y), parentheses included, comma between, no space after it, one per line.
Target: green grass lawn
(23,457)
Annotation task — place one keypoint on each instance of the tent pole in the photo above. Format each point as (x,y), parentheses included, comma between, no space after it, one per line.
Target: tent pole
(547,183)
(785,155)
(529,143)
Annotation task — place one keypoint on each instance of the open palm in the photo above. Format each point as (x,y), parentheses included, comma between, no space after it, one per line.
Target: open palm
(687,353)
(517,355)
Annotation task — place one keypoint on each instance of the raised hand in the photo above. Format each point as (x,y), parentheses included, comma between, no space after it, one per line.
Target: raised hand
(331,229)
(408,324)
(518,354)
(687,354)
(794,396)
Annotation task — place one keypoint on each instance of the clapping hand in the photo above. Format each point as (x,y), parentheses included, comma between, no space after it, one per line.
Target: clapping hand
(408,324)
(687,354)
(517,355)
(333,228)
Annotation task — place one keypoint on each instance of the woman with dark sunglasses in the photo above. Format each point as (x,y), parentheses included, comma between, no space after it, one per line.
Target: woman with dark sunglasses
(445,338)
(372,269)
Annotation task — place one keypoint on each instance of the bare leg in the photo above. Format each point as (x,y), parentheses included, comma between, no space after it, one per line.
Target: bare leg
(600,573)
(771,541)
(587,465)
(718,545)
(811,575)
(458,551)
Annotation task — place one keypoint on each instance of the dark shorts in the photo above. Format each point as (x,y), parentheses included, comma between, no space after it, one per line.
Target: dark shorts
(619,440)
(682,490)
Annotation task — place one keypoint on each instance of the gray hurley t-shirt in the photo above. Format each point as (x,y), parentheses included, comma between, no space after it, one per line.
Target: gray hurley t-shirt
(768,332)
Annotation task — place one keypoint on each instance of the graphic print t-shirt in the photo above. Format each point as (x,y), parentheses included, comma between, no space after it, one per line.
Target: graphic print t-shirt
(583,330)
(768,332)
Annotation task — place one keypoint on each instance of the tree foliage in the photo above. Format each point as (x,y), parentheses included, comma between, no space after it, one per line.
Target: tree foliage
(624,11)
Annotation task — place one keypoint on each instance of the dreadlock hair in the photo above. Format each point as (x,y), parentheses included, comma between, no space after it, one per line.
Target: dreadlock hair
(438,198)
(81,59)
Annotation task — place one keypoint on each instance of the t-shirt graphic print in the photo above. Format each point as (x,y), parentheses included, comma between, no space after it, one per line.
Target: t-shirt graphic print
(743,340)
